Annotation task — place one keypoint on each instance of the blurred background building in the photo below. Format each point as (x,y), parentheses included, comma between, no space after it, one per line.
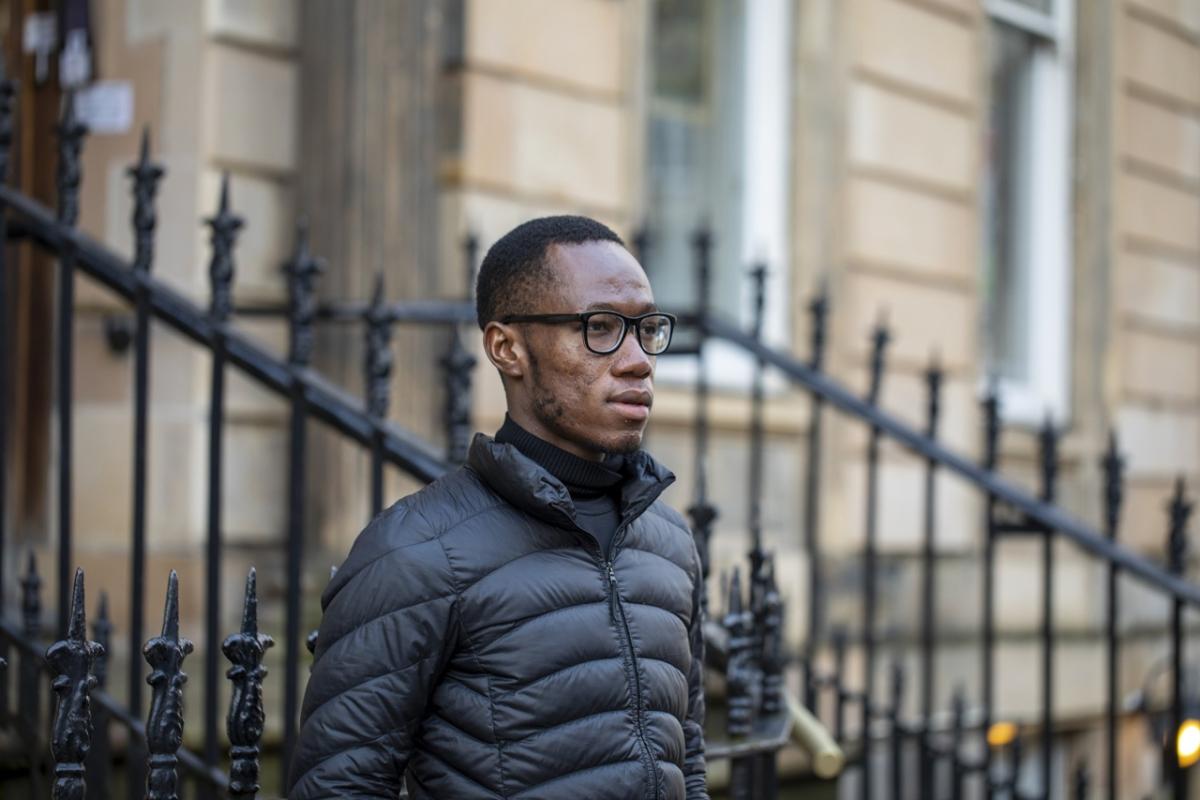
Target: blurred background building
(1013,185)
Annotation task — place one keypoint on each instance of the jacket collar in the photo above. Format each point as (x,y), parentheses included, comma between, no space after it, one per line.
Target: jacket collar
(527,485)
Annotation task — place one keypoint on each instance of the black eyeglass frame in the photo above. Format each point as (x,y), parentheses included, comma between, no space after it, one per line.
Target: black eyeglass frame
(582,317)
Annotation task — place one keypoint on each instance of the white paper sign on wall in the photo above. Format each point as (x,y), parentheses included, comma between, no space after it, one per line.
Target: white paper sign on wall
(106,107)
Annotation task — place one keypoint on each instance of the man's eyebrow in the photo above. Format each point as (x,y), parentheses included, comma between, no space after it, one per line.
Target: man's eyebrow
(646,308)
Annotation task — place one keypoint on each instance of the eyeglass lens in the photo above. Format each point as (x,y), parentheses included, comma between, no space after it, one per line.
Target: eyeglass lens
(603,332)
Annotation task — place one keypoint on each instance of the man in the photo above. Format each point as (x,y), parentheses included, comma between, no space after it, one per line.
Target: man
(527,626)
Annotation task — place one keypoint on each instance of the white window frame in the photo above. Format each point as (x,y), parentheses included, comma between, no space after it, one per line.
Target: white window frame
(766,167)
(1048,217)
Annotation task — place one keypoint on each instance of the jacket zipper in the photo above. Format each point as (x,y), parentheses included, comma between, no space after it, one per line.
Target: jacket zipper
(615,608)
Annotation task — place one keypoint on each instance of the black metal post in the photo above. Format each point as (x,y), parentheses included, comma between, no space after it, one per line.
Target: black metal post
(70,137)
(1014,773)
(146,176)
(772,662)
(244,724)
(99,759)
(1113,466)
(1179,511)
(7,92)
(991,453)
(758,276)
(224,227)
(29,686)
(1082,782)
(703,514)
(378,369)
(897,731)
(870,558)
(959,706)
(457,365)
(839,684)
(164,727)
(1049,459)
(933,379)
(301,270)
(72,661)
(742,682)
(819,311)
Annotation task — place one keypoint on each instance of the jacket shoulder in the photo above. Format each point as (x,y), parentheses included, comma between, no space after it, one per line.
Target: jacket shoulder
(410,529)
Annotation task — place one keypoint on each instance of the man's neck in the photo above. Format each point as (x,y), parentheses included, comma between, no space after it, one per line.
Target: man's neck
(575,473)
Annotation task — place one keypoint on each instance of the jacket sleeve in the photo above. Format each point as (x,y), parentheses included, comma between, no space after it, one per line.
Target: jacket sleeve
(694,767)
(388,630)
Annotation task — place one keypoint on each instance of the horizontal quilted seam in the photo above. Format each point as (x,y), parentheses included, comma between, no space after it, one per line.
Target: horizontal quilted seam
(374,740)
(362,685)
(541,615)
(627,548)
(434,716)
(575,773)
(380,617)
(552,728)
(441,760)
(521,687)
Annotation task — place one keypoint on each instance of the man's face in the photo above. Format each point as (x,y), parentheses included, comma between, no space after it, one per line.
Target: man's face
(586,403)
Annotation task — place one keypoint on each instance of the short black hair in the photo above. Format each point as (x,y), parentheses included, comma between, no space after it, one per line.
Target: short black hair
(515,266)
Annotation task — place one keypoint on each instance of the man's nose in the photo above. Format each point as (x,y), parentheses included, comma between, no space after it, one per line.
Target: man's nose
(631,359)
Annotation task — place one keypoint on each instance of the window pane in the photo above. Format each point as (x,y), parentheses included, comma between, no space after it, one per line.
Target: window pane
(693,156)
(1045,6)
(1007,203)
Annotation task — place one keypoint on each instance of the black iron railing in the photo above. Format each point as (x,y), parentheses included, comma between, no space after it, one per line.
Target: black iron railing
(953,755)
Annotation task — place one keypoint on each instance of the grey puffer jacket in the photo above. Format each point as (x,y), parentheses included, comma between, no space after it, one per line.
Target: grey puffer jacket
(477,644)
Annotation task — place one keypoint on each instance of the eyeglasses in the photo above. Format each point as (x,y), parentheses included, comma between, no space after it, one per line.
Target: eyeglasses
(604,331)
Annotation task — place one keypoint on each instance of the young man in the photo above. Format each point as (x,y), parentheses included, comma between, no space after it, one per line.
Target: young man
(527,626)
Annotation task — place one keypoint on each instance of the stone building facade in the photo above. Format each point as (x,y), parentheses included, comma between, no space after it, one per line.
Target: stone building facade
(1013,184)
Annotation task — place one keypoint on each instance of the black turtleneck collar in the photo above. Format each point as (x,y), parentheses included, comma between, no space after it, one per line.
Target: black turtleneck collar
(579,475)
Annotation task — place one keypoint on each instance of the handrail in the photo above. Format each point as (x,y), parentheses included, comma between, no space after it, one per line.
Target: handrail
(1045,515)
(328,402)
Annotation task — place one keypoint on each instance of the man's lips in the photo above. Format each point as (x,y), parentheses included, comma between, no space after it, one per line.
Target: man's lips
(633,403)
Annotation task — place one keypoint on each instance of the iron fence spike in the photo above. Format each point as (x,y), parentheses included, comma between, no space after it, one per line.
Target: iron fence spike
(71,661)
(246,718)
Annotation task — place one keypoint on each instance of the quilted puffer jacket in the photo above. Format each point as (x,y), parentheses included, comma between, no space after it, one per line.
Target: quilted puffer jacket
(477,644)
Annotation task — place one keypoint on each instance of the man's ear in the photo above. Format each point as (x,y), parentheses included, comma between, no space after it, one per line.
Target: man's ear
(505,348)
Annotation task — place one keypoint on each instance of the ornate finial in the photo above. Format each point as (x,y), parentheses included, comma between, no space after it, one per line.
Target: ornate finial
(1179,510)
(702,243)
(102,629)
(742,677)
(310,641)
(31,601)
(772,650)
(70,144)
(818,309)
(758,276)
(1082,781)
(301,271)
(72,660)
(933,380)
(879,342)
(1048,454)
(703,515)
(458,365)
(1114,468)
(224,226)
(244,724)
(8,90)
(991,422)
(379,352)
(146,175)
(164,728)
